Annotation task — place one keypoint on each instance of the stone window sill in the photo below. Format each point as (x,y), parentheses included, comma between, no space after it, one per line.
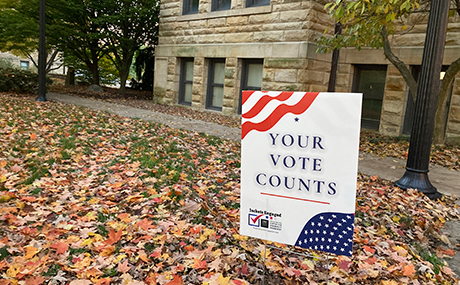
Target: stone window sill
(226,13)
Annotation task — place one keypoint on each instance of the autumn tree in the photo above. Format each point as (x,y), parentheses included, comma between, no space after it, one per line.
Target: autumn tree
(127,26)
(19,32)
(370,24)
(78,32)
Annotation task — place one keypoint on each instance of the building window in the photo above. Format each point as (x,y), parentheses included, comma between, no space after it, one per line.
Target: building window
(256,3)
(24,65)
(186,81)
(216,78)
(370,80)
(219,5)
(190,7)
(251,76)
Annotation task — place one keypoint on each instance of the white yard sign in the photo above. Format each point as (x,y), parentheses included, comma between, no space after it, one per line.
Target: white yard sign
(299,167)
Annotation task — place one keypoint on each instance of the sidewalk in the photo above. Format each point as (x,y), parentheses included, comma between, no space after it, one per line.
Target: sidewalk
(445,180)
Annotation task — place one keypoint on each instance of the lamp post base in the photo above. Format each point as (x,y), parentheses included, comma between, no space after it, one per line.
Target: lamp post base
(41,98)
(418,179)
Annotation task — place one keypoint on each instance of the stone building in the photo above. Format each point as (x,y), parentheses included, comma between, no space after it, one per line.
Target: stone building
(211,50)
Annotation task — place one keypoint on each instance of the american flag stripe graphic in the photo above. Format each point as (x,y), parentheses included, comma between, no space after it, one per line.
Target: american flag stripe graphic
(252,119)
(263,101)
(329,232)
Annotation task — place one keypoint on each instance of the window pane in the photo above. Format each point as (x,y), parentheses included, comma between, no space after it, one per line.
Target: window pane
(222,4)
(218,96)
(24,65)
(194,8)
(191,6)
(219,72)
(254,75)
(188,93)
(252,3)
(189,71)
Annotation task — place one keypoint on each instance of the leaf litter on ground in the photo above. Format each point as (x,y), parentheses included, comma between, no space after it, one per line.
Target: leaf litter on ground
(88,197)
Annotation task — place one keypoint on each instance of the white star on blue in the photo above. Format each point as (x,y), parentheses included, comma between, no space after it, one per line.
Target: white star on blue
(335,237)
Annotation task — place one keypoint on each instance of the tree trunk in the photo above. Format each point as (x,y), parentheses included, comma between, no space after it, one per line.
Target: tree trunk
(123,78)
(70,77)
(439,136)
(95,72)
(125,64)
(401,66)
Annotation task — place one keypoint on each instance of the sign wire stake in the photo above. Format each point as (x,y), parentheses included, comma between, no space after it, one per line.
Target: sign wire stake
(265,261)
(327,268)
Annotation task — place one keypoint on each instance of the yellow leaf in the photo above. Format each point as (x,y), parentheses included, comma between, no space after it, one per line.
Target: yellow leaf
(223,280)
(2,178)
(82,264)
(93,201)
(309,264)
(404,27)
(240,237)
(31,251)
(20,205)
(91,216)
(86,242)
(201,239)
(445,239)
(13,270)
(108,251)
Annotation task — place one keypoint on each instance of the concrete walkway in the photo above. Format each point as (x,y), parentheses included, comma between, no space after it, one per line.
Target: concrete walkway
(445,180)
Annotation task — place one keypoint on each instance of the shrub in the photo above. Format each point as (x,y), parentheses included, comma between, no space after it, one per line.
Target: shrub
(21,81)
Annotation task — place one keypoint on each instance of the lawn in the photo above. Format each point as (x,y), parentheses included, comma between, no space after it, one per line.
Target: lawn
(87,197)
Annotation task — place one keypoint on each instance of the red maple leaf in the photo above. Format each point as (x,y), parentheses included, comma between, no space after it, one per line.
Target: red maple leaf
(123,267)
(344,265)
(177,280)
(113,237)
(199,264)
(60,247)
(145,224)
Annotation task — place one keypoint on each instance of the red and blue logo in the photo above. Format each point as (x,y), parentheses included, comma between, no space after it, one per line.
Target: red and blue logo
(262,221)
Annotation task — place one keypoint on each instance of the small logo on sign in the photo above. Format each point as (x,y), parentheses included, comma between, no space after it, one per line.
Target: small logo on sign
(254,220)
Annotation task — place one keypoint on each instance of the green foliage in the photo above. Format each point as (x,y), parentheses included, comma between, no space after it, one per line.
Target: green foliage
(6,63)
(362,22)
(17,80)
(144,66)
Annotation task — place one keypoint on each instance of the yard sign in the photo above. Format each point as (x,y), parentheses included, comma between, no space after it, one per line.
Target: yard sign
(299,167)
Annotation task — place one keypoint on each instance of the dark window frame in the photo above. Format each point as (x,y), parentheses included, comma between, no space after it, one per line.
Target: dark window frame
(244,79)
(24,67)
(355,88)
(257,3)
(183,81)
(188,7)
(211,84)
(217,5)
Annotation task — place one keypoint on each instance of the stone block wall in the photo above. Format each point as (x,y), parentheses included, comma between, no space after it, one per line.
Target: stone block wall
(282,34)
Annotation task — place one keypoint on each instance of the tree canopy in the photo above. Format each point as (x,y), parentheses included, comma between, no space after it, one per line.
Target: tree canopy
(85,30)
(370,23)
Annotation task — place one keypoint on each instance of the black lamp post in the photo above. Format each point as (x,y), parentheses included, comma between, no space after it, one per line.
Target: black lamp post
(42,55)
(416,175)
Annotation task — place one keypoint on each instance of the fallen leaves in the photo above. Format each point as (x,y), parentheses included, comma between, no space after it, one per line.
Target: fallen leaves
(96,198)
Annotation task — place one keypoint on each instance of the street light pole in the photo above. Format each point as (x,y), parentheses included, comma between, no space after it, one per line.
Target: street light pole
(42,55)
(418,160)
